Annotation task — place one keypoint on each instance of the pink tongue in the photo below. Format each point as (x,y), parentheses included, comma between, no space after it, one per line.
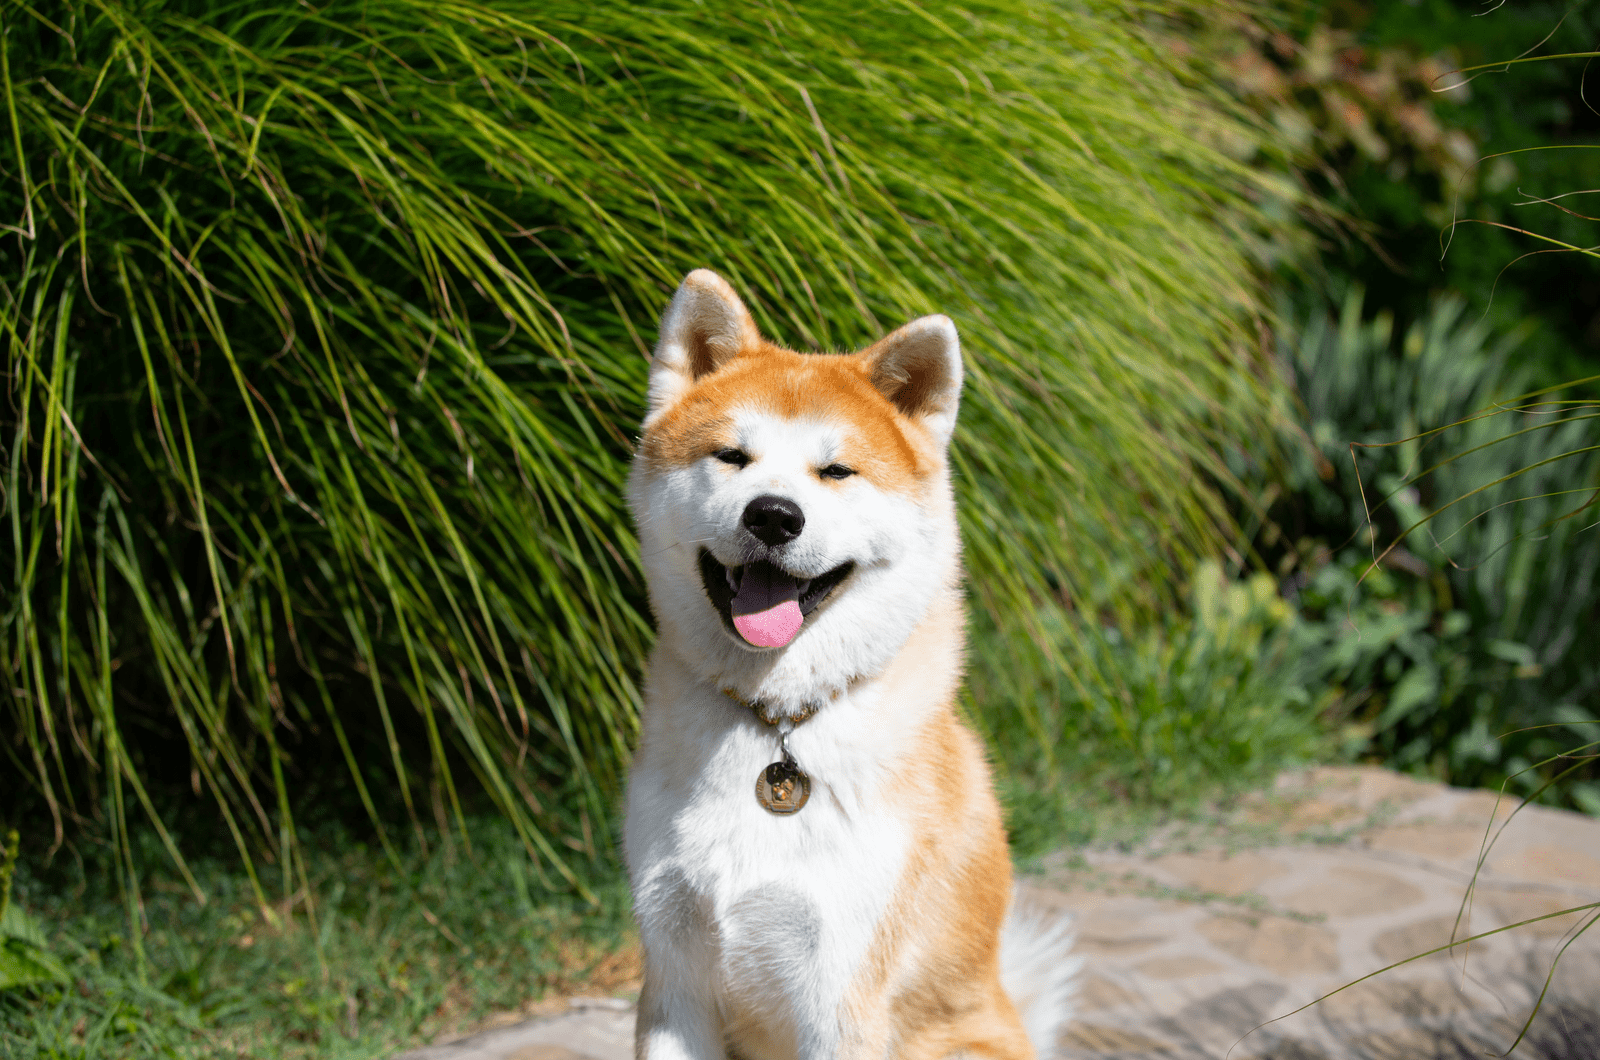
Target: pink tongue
(772,628)
(766,610)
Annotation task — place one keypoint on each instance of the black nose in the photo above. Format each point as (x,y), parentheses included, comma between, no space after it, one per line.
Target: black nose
(774,520)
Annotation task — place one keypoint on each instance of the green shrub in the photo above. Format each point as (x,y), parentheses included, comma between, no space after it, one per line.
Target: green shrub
(1473,476)
(1458,492)
(1214,698)
(325,332)
(1366,99)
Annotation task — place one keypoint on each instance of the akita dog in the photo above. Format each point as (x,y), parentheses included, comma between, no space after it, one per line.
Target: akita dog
(818,863)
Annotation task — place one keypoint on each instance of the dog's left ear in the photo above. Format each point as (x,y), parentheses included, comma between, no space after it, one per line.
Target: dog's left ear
(705,326)
(918,368)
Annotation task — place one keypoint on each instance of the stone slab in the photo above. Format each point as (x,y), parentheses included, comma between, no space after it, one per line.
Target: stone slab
(590,1029)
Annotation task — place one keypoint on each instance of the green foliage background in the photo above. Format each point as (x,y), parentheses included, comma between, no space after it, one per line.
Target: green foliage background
(326,334)
(1533,126)
(1439,531)
(325,342)
(1452,598)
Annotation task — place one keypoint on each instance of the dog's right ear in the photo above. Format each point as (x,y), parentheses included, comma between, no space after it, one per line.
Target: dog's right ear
(704,327)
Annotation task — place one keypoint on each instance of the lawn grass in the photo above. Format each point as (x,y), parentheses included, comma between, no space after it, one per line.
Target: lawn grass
(369,957)
(380,959)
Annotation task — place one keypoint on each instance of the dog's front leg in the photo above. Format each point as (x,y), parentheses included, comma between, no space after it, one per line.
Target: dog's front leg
(676,1020)
(678,1014)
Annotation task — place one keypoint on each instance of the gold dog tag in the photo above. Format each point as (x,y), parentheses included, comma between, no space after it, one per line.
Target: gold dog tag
(782,788)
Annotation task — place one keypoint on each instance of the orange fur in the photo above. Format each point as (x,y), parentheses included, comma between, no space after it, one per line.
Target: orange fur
(882,443)
(931,985)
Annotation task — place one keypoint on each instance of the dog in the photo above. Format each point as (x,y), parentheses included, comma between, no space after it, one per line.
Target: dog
(817,856)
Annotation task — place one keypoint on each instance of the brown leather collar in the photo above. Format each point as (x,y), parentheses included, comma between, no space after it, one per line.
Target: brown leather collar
(763,712)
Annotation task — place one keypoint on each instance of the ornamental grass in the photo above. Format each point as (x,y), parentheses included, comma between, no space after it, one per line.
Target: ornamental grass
(326,329)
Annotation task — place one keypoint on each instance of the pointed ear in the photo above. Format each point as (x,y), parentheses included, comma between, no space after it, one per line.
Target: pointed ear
(704,327)
(918,368)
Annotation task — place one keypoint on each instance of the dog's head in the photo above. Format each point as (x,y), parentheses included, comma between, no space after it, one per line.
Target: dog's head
(794,510)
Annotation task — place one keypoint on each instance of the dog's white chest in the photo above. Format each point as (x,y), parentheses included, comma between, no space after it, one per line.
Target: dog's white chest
(774,914)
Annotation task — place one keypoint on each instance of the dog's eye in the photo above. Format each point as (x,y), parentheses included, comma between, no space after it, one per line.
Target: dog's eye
(736,457)
(836,471)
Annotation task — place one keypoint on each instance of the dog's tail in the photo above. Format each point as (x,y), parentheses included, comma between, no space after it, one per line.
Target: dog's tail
(1039,970)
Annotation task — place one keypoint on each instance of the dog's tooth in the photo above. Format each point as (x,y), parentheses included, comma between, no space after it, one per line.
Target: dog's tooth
(733,583)
(805,586)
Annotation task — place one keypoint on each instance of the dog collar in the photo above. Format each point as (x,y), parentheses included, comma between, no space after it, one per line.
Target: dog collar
(763,711)
(783,787)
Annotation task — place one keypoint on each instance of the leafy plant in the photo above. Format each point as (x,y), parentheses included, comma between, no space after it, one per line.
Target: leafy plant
(1344,108)
(1408,117)
(1459,498)
(24,960)
(1215,698)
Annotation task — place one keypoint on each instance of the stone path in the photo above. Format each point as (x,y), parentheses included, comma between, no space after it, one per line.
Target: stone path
(1199,935)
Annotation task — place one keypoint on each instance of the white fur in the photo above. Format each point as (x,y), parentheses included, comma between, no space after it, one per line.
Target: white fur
(694,825)
(1039,970)
(905,552)
(692,818)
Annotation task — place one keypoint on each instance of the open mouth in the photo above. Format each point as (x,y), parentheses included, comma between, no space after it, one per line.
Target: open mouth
(763,603)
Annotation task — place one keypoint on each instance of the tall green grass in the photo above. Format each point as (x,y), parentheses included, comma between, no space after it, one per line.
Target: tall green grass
(325,337)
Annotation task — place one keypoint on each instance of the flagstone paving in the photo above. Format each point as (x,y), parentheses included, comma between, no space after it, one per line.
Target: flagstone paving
(1199,936)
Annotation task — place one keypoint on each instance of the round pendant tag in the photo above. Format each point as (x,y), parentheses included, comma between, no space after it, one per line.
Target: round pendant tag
(782,788)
